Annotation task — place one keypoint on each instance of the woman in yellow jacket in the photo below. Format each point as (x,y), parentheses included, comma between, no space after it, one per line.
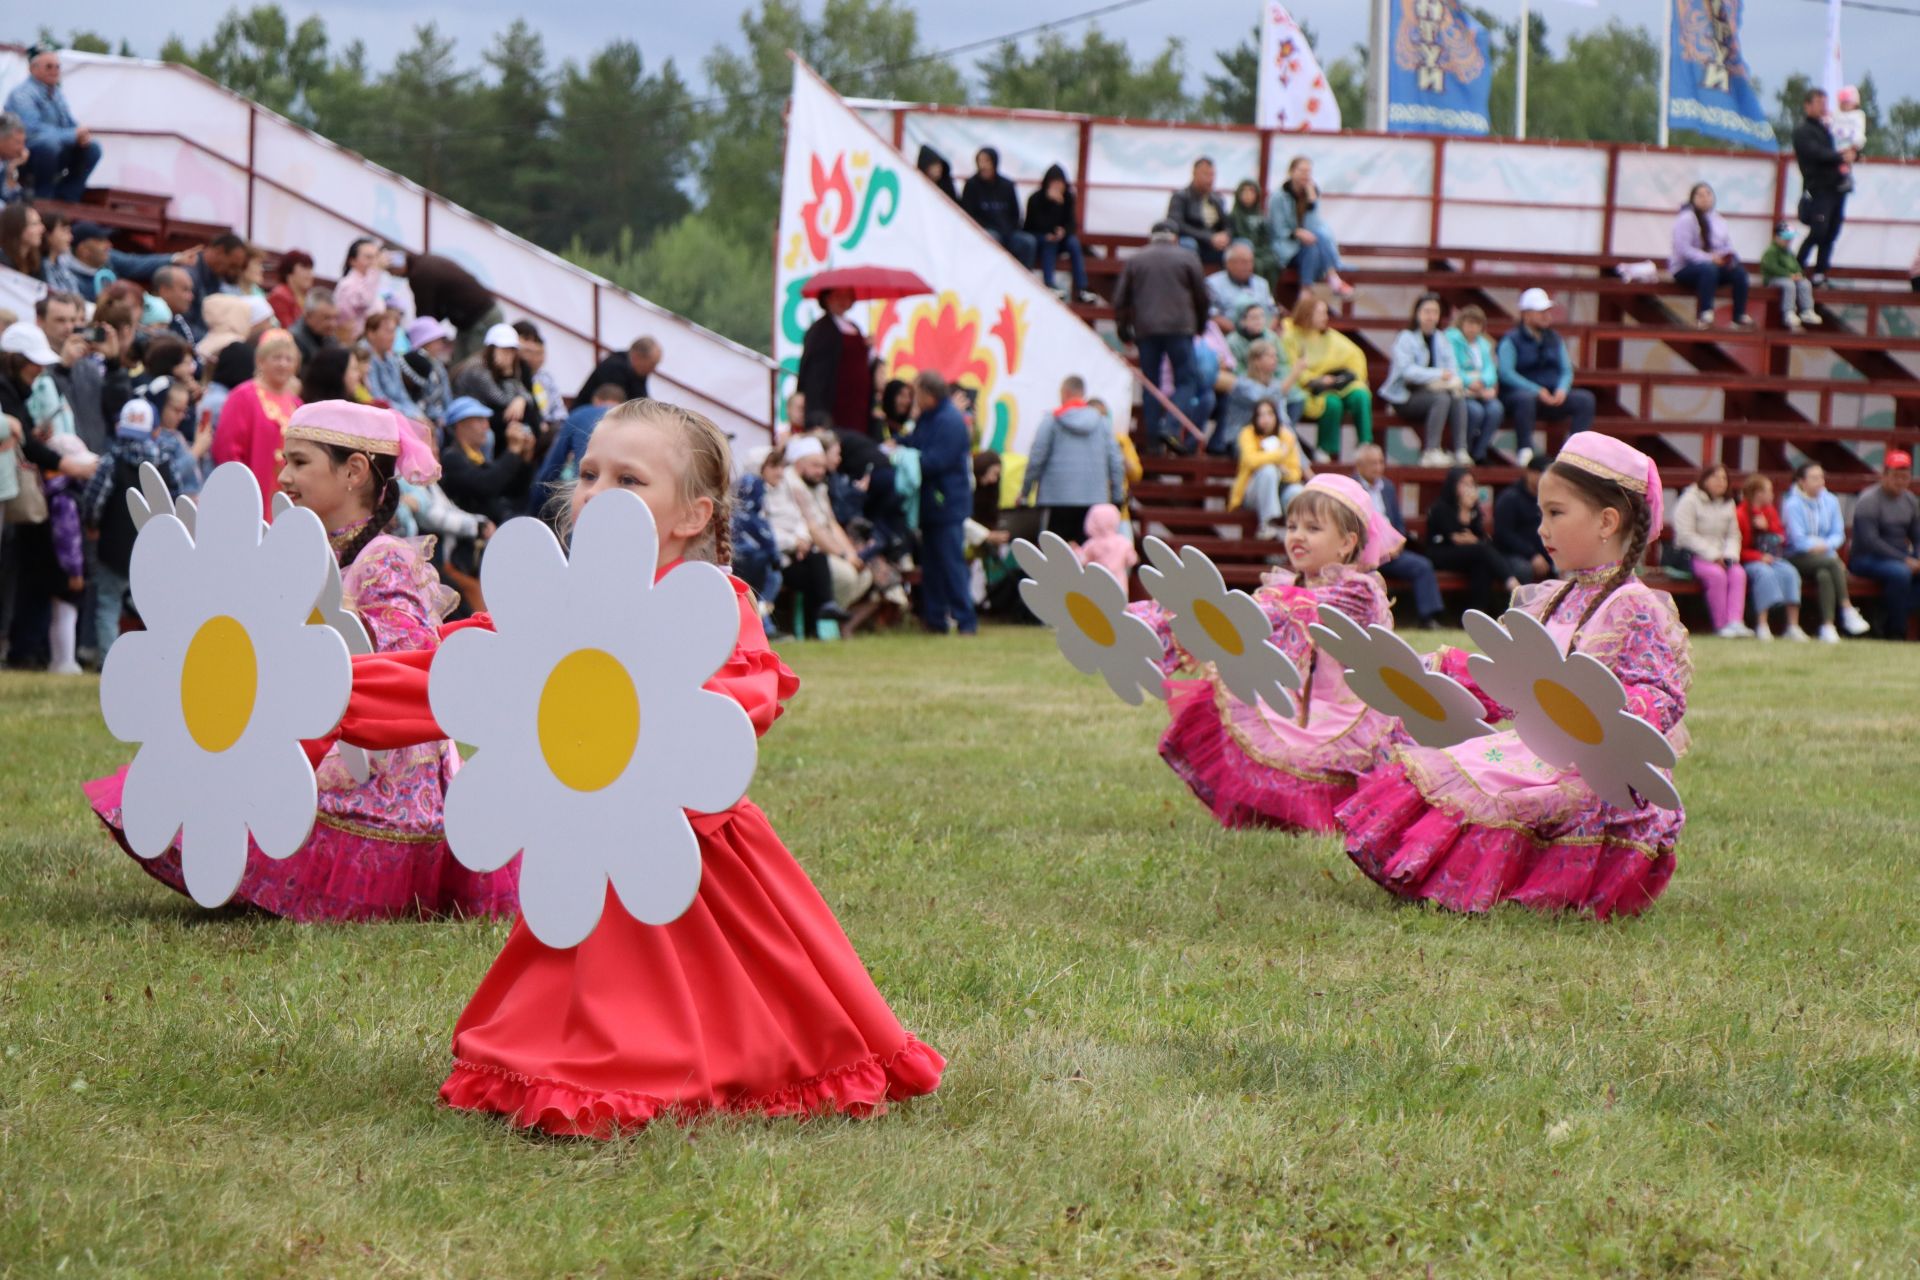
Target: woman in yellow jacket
(1332,372)
(1272,469)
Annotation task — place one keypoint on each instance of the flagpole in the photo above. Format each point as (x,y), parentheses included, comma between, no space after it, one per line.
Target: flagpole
(1377,66)
(1520,83)
(1666,66)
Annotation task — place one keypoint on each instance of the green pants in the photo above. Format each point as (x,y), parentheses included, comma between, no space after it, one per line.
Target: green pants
(1356,400)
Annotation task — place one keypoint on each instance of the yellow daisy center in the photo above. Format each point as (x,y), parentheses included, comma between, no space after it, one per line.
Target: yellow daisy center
(219,681)
(589,720)
(1213,620)
(316,618)
(1091,619)
(1569,714)
(1410,692)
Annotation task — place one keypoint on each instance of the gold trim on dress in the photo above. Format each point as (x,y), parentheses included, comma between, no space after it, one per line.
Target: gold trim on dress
(370,832)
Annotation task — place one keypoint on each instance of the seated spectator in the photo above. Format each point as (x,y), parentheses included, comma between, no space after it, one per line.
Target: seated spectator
(1214,378)
(386,370)
(22,234)
(314,331)
(894,417)
(1886,541)
(257,412)
(550,403)
(1410,567)
(1262,382)
(937,171)
(96,264)
(1703,258)
(868,486)
(1779,269)
(1707,531)
(1247,220)
(1457,542)
(13,158)
(493,487)
(219,268)
(1815,534)
(1423,386)
(821,563)
(1199,215)
(1253,324)
(1772,579)
(1536,375)
(493,378)
(357,292)
(289,298)
(173,286)
(1516,525)
(627,370)
(756,551)
(1272,469)
(253,280)
(992,200)
(442,287)
(57,267)
(569,445)
(330,375)
(1055,228)
(424,367)
(1236,286)
(1301,236)
(61,152)
(1073,463)
(1479,372)
(1332,371)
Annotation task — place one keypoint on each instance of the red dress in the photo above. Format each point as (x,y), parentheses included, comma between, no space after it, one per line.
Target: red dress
(753,1001)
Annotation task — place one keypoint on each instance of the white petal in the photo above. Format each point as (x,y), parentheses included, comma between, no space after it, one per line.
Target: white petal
(615,541)
(230,508)
(281,800)
(463,685)
(1486,632)
(213,857)
(656,871)
(139,690)
(524,576)
(150,805)
(484,806)
(700,753)
(292,565)
(159,570)
(1030,558)
(562,894)
(1654,787)
(306,678)
(690,625)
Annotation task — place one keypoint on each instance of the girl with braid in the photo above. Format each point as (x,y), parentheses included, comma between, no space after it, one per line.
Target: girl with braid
(378,848)
(1486,821)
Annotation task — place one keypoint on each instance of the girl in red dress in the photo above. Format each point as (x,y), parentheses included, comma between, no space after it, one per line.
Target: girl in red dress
(753,1001)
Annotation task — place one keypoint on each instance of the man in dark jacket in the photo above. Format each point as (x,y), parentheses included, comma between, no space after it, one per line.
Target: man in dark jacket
(627,370)
(1159,305)
(835,382)
(1410,567)
(946,499)
(992,201)
(1823,205)
(1516,524)
(1201,215)
(445,289)
(1886,541)
(938,171)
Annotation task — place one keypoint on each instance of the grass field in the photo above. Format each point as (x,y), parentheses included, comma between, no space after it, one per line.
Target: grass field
(1174,1050)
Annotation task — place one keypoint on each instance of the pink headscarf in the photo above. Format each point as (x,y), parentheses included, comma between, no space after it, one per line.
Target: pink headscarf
(370,430)
(1616,460)
(1383,541)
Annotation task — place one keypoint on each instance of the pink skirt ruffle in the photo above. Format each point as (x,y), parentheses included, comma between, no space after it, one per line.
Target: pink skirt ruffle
(1413,849)
(338,874)
(1237,790)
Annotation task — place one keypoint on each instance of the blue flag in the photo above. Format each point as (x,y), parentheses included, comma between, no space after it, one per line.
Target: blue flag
(1439,74)
(1712,89)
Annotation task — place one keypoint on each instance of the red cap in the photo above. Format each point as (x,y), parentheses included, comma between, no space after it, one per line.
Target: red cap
(1899,460)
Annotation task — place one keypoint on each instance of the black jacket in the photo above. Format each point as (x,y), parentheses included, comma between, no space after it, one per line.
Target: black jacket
(496,488)
(1190,211)
(445,289)
(1516,522)
(1819,159)
(1045,216)
(1162,290)
(945,181)
(618,370)
(993,202)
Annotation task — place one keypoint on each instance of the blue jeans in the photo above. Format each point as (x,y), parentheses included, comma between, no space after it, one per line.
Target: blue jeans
(60,173)
(1050,251)
(1704,278)
(1268,496)
(1176,349)
(1770,584)
(109,602)
(1321,258)
(1417,572)
(759,571)
(1896,591)
(1524,407)
(945,593)
(1020,244)
(1483,419)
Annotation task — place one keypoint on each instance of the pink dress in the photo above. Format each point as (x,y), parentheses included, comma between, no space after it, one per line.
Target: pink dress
(378,848)
(1487,821)
(252,423)
(1252,766)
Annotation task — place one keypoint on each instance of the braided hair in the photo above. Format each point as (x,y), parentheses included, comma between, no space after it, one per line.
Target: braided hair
(386,502)
(1636,517)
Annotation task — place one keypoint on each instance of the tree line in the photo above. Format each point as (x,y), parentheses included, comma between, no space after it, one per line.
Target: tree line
(622,166)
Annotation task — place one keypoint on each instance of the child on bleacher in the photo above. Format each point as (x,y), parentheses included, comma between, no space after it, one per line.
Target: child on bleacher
(1779,269)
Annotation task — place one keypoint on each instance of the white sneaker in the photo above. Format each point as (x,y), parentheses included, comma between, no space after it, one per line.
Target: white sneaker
(1461,458)
(1810,316)
(1523,457)
(1851,619)
(1796,635)
(1734,631)
(1764,634)
(1436,458)
(67,669)
(1828,635)
(1704,320)
(1793,322)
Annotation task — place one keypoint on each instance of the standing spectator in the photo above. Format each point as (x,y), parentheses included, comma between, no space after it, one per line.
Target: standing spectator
(894,417)
(1703,258)
(1410,567)
(1423,385)
(1247,220)
(833,366)
(1200,215)
(1763,553)
(442,287)
(570,445)
(495,487)
(1536,375)
(1815,534)
(937,171)
(256,414)
(57,266)
(1261,382)
(946,479)
(386,371)
(98,264)
(1074,463)
(1236,286)
(1332,371)
(61,152)
(1516,525)
(424,367)
(315,329)
(1160,304)
(1301,236)
(13,158)
(1779,269)
(289,298)
(1272,469)
(493,378)
(992,200)
(1823,204)
(1886,541)
(1054,224)
(91,373)
(549,401)
(1457,542)
(357,292)
(22,234)
(103,510)
(627,370)
(1479,373)
(1706,527)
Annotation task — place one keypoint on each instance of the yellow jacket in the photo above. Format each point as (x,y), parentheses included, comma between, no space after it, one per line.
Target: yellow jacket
(1130,461)
(1282,450)
(1315,355)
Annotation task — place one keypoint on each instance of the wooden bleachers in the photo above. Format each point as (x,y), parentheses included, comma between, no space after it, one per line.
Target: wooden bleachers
(138,219)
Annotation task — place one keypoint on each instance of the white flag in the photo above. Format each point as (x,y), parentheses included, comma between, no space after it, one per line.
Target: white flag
(1833,75)
(1292,93)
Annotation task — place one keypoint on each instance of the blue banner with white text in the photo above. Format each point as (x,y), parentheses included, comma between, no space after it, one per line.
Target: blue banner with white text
(1712,89)
(1438,74)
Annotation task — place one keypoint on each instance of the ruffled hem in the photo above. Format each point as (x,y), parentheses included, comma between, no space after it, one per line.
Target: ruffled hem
(1413,849)
(862,1088)
(1237,790)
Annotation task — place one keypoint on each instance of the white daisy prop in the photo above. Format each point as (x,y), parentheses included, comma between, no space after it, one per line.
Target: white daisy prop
(223,684)
(593,732)
(1223,628)
(1571,711)
(1385,673)
(152,499)
(330,610)
(1087,608)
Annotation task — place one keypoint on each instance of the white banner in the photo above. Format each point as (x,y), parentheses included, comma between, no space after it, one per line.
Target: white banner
(847,199)
(1291,92)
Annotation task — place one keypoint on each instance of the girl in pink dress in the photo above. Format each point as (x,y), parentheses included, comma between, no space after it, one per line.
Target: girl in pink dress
(1487,821)
(1254,766)
(378,849)
(255,416)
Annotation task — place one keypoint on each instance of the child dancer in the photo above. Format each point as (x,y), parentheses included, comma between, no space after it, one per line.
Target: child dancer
(1486,821)
(753,1001)
(378,849)
(1254,766)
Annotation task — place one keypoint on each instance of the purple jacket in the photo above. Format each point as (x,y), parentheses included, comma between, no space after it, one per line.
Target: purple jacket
(63,513)
(1687,248)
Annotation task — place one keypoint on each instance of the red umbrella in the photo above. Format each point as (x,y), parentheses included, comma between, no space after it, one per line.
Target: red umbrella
(869,284)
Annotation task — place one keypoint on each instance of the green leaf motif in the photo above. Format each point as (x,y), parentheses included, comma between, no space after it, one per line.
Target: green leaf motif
(883,180)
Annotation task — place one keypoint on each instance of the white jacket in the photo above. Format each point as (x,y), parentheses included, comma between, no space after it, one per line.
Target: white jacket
(1706,528)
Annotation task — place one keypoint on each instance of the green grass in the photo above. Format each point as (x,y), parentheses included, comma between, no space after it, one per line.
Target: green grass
(1174,1050)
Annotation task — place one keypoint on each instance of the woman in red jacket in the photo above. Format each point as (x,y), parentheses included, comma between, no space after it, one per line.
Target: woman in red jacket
(1771,578)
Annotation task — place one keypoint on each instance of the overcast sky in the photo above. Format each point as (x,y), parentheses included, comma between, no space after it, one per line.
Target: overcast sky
(1783,36)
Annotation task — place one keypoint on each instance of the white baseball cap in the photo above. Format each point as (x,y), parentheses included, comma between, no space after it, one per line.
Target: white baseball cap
(23,338)
(503,335)
(1535,300)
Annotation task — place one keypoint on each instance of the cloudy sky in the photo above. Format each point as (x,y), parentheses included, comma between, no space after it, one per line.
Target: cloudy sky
(1783,36)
